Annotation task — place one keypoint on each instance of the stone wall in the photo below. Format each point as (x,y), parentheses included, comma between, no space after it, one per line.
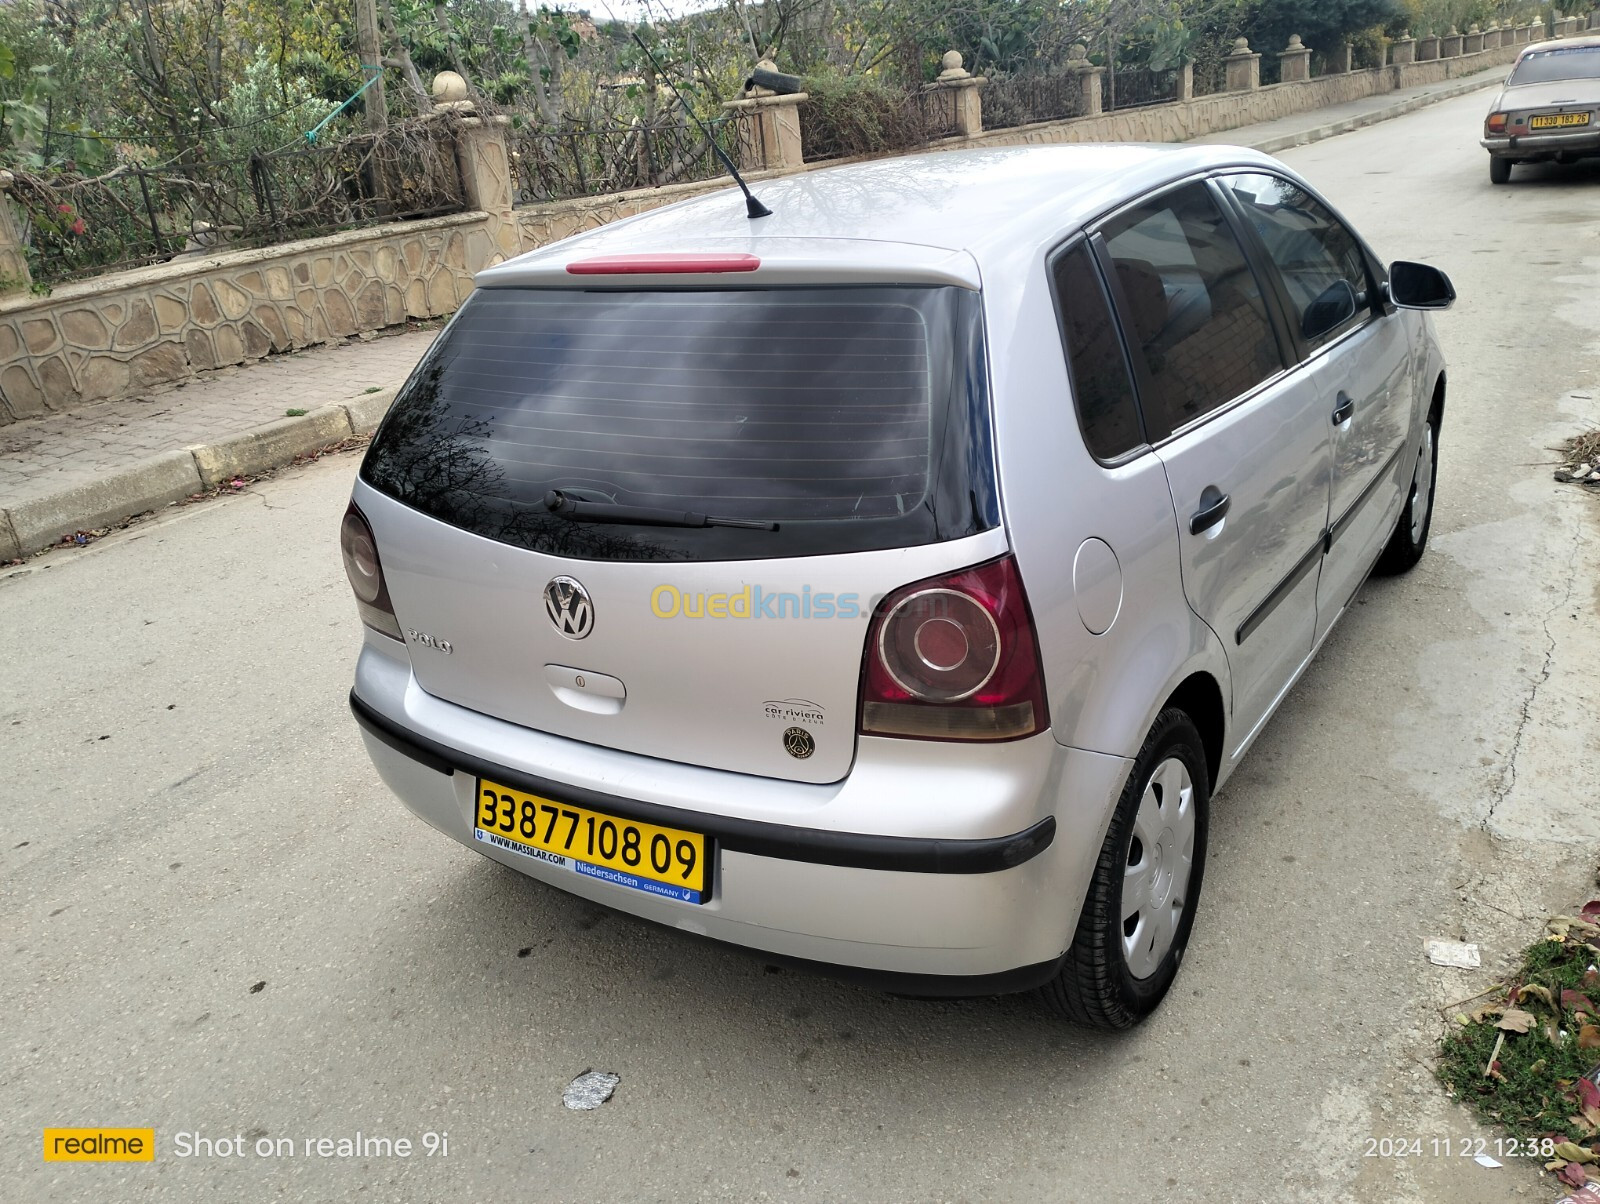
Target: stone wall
(117,336)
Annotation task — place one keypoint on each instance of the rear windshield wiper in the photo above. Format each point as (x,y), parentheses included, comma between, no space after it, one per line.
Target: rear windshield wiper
(610,512)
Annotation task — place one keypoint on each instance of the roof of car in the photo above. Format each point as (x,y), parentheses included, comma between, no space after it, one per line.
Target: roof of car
(1587,41)
(973,201)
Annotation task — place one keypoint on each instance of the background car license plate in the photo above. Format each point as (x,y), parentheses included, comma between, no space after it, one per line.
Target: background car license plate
(659,861)
(1552,121)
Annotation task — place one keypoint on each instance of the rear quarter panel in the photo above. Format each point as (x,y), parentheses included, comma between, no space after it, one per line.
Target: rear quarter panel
(1104,689)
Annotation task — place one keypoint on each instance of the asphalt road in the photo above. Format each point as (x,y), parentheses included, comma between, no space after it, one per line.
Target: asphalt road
(188,813)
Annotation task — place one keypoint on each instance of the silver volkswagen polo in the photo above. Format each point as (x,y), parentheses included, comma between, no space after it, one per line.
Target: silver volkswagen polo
(888,583)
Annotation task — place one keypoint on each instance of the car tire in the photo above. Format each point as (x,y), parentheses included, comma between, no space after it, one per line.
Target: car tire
(1499,170)
(1126,951)
(1410,538)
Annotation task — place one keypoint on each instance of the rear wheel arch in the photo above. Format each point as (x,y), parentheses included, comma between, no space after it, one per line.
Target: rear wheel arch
(1200,697)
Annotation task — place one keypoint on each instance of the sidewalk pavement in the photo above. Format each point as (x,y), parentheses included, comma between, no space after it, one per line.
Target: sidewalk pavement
(95,466)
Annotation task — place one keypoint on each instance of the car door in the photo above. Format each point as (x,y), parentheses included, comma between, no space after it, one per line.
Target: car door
(1358,356)
(1245,443)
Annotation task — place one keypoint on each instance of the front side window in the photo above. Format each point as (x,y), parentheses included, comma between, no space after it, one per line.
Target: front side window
(853,419)
(1101,387)
(1318,258)
(1193,308)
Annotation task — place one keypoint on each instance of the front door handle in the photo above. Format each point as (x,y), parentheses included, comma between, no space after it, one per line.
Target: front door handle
(1213,509)
(1345,407)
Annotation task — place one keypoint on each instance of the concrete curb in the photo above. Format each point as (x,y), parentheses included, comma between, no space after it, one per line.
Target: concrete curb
(1333,129)
(38,523)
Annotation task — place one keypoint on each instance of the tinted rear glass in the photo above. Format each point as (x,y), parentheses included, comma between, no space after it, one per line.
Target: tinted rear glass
(1547,66)
(852,417)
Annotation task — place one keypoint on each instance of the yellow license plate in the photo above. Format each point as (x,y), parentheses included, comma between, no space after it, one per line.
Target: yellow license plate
(668,862)
(1553,121)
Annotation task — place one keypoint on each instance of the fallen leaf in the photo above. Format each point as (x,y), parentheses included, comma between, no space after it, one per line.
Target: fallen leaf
(1535,991)
(1494,1071)
(1591,911)
(1516,1020)
(1577,999)
(1573,1152)
(1588,1093)
(1572,1175)
(1591,979)
(1589,1037)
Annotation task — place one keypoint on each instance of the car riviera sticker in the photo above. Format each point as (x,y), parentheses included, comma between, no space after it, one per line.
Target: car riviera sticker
(794,710)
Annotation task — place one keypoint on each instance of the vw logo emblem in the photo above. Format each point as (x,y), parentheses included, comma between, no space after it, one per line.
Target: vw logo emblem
(568,605)
(797,742)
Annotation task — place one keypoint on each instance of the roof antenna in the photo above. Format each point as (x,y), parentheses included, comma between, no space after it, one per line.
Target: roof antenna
(752,206)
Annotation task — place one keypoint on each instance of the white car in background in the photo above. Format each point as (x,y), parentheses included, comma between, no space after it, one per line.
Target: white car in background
(1549,108)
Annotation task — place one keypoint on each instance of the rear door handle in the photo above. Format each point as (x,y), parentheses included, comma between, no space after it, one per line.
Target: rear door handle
(1213,509)
(1345,408)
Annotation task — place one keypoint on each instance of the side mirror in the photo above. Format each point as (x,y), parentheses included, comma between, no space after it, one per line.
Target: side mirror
(1417,286)
(1335,306)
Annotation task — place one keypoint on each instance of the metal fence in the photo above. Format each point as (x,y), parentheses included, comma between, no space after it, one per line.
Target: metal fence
(557,164)
(135,216)
(1210,76)
(1024,99)
(1136,87)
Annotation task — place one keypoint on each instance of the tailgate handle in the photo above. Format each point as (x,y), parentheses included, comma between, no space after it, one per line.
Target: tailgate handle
(1213,509)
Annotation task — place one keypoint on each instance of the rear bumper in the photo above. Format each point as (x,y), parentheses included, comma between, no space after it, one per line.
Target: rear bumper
(913,911)
(1585,141)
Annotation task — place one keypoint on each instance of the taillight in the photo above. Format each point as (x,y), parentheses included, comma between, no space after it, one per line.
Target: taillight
(361,565)
(1497,123)
(955,658)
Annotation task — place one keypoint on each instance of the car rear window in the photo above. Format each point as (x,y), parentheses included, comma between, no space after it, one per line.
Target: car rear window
(1567,62)
(854,418)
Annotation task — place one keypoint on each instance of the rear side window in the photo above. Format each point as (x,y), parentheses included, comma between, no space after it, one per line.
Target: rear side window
(1317,257)
(854,418)
(1101,387)
(1547,66)
(1194,309)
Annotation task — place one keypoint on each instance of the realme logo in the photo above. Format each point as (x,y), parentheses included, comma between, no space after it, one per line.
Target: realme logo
(99,1145)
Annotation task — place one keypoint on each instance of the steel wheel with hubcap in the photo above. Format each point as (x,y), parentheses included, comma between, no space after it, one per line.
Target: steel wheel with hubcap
(1135,922)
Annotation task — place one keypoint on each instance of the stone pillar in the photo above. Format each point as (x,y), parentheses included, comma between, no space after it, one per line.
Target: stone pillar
(1493,38)
(14,277)
(1427,48)
(959,88)
(1089,79)
(1294,61)
(1403,50)
(1185,82)
(1244,68)
(1343,60)
(1450,47)
(484,159)
(1473,42)
(769,127)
